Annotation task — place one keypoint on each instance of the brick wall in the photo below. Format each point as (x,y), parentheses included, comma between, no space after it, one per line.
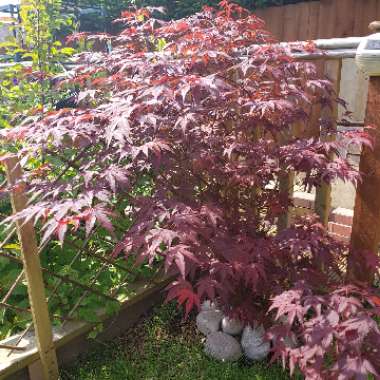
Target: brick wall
(340,221)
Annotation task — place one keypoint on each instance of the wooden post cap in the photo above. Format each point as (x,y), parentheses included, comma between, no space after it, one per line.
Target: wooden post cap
(374,26)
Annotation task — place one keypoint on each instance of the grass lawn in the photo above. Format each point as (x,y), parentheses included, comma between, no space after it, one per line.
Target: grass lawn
(163,347)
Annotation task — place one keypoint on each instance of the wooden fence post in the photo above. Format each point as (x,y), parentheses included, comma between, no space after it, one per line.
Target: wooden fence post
(286,182)
(366,223)
(286,186)
(333,68)
(33,273)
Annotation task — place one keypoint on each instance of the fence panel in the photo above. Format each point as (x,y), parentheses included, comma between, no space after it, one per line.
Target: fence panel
(326,19)
(345,18)
(320,19)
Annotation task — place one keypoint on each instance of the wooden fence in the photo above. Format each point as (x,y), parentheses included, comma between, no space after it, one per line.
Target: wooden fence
(365,235)
(320,19)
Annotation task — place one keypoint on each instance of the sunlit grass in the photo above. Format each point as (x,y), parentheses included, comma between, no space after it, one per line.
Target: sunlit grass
(164,347)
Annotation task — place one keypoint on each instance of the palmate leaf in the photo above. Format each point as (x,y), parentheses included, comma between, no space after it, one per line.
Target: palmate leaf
(183,292)
(180,254)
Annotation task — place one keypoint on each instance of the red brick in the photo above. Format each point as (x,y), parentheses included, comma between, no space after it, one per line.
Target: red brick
(342,216)
(339,229)
(344,239)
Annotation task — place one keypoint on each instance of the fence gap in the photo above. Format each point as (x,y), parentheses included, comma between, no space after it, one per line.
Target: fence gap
(33,273)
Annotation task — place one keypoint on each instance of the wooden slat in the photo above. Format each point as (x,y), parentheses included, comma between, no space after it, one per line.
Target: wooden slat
(33,274)
(303,31)
(359,12)
(366,223)
(345,18)
(321,19)
(264,15)
(275,22)
(261,13)
(313,20)
(333,70)
(291,16)
(326,20)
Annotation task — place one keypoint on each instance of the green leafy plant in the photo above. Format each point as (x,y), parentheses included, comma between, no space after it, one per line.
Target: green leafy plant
(27,90)
(27,87)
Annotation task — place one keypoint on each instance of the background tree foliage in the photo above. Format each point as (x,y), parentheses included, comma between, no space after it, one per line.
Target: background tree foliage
(98,15)
(25,90)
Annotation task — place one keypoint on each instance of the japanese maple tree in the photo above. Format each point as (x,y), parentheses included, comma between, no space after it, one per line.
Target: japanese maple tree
(203,112)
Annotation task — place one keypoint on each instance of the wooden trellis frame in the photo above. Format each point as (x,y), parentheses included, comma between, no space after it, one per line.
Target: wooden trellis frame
(33,273)
(48,368)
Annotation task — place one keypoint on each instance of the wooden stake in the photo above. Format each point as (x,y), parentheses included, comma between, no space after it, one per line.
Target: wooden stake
(33,273)
(286,187)
(286,182)
(333,70)
(366,223)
